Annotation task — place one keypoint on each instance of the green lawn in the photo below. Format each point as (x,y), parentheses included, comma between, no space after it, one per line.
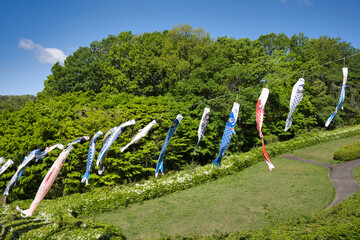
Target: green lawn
(325,152)
(250,199)
(356,174)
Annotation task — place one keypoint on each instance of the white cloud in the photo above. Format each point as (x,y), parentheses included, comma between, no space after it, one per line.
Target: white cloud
(42,54)
(26,44)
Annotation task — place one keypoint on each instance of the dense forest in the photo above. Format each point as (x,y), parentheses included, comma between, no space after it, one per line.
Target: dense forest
(161,74)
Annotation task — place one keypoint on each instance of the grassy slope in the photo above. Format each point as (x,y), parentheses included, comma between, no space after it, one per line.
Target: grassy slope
(250,199)
(325,152)
(238,202)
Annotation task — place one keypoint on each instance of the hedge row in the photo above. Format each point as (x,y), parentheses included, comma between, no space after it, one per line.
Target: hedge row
(347,153)
(15,227)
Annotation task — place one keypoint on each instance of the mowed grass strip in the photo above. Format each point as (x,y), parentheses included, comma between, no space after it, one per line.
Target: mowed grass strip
(324,152)
(250,199)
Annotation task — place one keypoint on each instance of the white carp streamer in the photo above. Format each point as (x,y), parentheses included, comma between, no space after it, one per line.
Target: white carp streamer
(142,133)
(296,97)
(202,127)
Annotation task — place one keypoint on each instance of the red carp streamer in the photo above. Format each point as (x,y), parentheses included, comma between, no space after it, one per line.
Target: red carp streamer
(259,120)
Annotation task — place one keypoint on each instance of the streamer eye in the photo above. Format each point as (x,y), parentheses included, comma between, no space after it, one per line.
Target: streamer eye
(175,124)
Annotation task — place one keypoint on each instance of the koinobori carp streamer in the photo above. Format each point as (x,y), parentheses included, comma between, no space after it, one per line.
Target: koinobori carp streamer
(172,130)
(296,97)
(37,154)
(41,155)
(142,133)
(259,121)
(202,127)
(341,98)
(50,177)
(90,158)
(228,132)
(115,133)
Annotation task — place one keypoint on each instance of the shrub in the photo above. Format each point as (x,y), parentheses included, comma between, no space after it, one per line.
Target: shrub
(347,153)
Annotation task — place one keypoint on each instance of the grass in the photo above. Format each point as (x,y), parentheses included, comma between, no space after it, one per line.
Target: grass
(356,174)
(252,198)
(325,152)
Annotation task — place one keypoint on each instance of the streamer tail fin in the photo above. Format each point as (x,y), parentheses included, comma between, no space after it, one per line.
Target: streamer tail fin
(288,124)
(196,147)
(85,179)
(24,213)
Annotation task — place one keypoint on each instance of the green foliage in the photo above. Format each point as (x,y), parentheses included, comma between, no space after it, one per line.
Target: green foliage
(347,153)
(14,103)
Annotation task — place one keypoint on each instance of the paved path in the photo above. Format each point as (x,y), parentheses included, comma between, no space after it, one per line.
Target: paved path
(340,175)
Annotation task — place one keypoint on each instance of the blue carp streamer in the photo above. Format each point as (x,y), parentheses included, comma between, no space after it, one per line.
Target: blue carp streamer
(116,132)
(202,127)
(90,158)
(172,130)
(24,163)
(296,97)
(229,131)
(37,154)
(341,99)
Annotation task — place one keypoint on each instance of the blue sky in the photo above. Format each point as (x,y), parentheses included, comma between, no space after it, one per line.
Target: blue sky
(35,34)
